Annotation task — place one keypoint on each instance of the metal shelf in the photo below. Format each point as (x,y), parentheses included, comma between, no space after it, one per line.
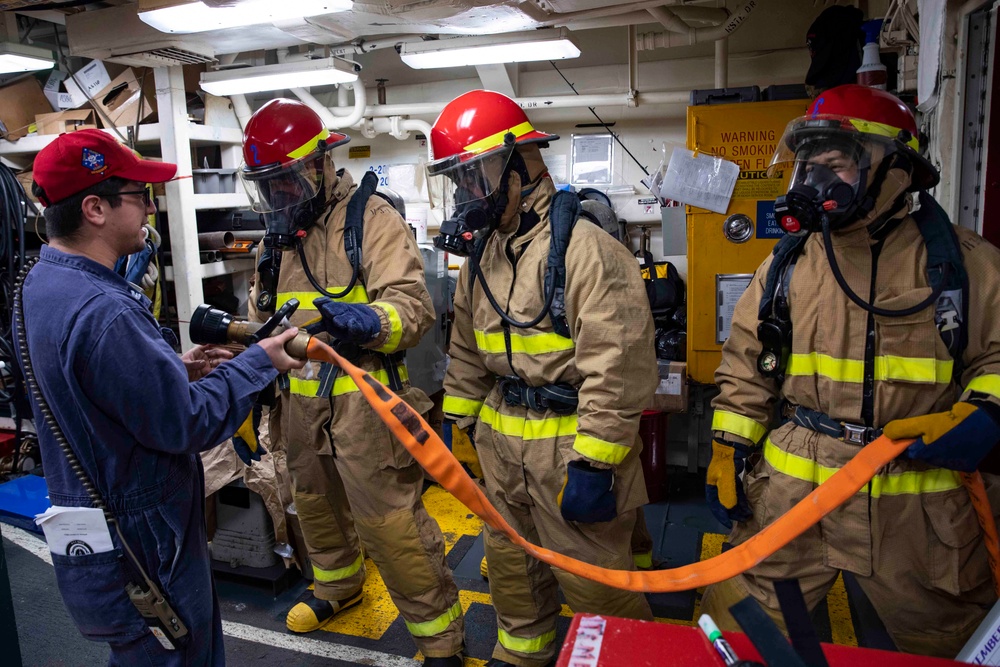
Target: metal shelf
(210,201)
(215,269)
(149,133)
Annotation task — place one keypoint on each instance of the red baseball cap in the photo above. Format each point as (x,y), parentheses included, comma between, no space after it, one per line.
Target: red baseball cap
(77,160)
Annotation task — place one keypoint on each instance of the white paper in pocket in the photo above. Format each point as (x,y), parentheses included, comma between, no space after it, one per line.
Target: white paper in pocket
(75,531)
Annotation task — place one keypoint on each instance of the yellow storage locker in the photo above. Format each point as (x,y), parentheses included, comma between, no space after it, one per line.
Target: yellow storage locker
(723,251)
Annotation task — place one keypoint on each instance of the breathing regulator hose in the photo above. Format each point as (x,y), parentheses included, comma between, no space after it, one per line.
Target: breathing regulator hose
(150,602)
(861,303)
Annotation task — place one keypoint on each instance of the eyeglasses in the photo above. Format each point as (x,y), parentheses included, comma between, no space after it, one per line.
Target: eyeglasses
(144,193)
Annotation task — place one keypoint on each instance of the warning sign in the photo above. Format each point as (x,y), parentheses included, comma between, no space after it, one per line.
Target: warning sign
(354,152)
(751,149)
(756,185)
(767,224)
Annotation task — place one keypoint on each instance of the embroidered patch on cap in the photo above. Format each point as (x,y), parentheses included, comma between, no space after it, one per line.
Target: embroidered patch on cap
(93,161)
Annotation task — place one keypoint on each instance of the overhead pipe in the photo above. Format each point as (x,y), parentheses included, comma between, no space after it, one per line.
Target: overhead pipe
(396,126)
(532,103)
(330,120)
(722,62)
(681,34)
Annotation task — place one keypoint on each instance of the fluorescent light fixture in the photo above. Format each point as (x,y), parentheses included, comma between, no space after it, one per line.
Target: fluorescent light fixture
(21,58)
(187,16)
(514,47)
(296,74)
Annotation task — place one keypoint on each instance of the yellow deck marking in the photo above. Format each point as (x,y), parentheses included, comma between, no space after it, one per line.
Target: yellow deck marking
(454,518)
(841,623)
(376,613)
(373,616)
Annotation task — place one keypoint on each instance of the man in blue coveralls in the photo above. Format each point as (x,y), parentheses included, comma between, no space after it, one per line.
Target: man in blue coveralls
(135,414)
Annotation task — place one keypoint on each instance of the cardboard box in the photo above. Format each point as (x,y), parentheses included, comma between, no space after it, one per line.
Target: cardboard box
(55,92)
(122,99)
(20,102)
(25,178)
(93,77)
(66,121)
(672,391)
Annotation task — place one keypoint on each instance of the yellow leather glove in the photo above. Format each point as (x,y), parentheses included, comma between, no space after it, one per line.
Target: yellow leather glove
(723,486)
(245,440)
(958,439)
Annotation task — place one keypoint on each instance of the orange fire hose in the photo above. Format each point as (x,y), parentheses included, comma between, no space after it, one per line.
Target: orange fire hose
(431,453)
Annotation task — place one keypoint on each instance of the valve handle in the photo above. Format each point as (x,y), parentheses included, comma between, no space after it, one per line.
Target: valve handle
(265,330)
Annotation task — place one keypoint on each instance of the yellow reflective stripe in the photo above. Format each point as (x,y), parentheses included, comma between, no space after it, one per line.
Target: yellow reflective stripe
(340,573)
(910,482)
(357,295)
(308,147)
(730,422)
(813,363)
(881,129)
(437,625)
(987,384)
(395,327)
(600,450)
(533,645)
(496,139)
(465,407)
(528,429)
(887,368)
(643,560)
(913,369)
(342,385)
(541,343)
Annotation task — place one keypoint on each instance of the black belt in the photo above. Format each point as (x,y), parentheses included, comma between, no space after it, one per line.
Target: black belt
(561,398)
(855,434)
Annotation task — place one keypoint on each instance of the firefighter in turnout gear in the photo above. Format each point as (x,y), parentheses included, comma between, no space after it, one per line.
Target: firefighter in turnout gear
(551,366)
(885,320)
(354,265)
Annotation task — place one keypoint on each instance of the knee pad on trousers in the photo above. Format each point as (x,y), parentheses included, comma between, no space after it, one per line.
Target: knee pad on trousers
(320,528)
(520,585)
(403,560)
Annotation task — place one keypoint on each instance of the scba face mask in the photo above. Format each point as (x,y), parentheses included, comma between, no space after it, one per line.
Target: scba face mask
(289,199)
(829,173)
(817,190)
(470,190)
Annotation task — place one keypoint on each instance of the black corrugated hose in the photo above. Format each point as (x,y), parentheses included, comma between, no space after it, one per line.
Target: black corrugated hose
(14,206)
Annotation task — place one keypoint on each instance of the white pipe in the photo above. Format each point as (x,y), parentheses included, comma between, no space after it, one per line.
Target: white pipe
(337,122)
(712,15)
(680,34)
(670,21)
(242,109)
(722,62)
(528,103)
(341,95)
(396,126)
(633,60)
(329,120)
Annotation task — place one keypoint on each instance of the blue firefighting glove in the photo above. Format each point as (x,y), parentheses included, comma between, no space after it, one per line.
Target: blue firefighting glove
(587,495)
(723,486)
(349,322)
(958,439)
(245,441)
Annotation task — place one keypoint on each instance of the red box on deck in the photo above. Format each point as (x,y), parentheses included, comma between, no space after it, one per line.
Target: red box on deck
(606,641)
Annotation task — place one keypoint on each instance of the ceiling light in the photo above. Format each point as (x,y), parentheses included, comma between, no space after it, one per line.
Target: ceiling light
(515,47)
(187,16)
(21,58)
(297,74)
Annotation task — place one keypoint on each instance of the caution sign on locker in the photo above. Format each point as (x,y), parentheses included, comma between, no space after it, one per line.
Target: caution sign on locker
(724,250)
